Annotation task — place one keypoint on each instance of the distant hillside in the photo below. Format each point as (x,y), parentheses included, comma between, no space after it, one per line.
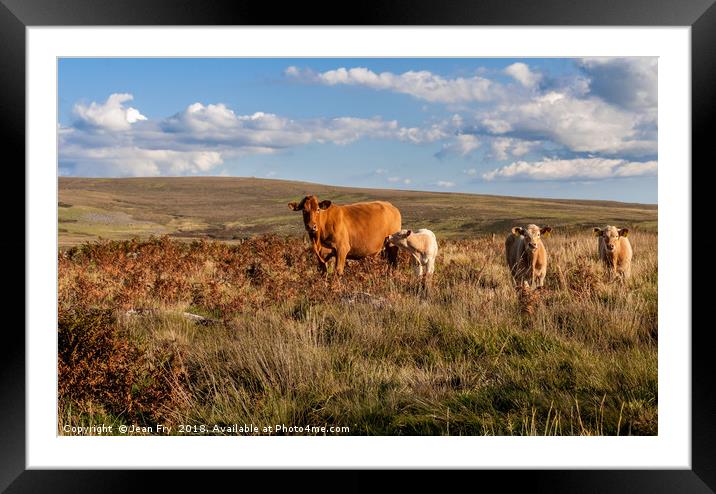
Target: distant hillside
(227,208)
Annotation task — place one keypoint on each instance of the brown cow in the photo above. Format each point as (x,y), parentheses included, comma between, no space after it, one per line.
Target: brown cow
(353,231)
(615,250)
(526,255)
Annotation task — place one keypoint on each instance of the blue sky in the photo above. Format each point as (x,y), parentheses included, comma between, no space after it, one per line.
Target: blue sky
(563,128)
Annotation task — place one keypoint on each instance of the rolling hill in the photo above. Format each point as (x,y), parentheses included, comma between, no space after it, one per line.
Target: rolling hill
(230,208)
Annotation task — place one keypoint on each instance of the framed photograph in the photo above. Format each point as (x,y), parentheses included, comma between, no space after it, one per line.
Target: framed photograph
(435,239)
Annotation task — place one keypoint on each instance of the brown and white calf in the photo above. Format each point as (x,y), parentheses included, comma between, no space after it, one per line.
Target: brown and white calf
(615,250)
(421,245)
(526,255)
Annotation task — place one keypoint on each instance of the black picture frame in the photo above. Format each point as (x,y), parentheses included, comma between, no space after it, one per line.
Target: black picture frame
(700,15)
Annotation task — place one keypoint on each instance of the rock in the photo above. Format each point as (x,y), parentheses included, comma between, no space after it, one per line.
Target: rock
(204,321)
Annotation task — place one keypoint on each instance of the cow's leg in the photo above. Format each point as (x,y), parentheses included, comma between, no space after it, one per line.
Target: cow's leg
(430,264)
(523,275)
(627,272)
(613,270)
(327,254)
(624,273)
(540,280)
(341,254)
(417,265)
(428,275)
(607,269)
(514,275)
(613,273)
(532,276)
(322,266)
(392,253)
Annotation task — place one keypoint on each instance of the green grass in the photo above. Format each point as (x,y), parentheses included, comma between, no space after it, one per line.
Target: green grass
(81,223)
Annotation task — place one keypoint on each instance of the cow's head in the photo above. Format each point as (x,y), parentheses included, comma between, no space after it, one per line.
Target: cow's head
(400,238)
(311,209)
(610,235)
(532,235)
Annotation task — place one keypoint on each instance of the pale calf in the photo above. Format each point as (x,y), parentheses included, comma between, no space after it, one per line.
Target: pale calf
(615,250)
(526,255)
(422,246)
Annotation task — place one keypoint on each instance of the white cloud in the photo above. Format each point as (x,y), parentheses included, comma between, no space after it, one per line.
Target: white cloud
(466,144)
(395,180)
(292,71)
(522,74)
(572,169)
(137,162)
(520,148)
(220,125)
(496,125)
(608,108)
(581,125)
(636,169)
(200,137)
(461,145)
(419,135)
(445,183)
(470,171)
(110,115)
(421,84)
(504,147)
(500,147)
(133,115)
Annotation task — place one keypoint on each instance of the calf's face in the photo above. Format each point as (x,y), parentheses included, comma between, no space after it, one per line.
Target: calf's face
(399,239)
(611,235)
(532,235)
(311,209)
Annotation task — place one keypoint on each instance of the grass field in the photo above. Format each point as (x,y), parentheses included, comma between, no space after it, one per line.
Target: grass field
(277,343)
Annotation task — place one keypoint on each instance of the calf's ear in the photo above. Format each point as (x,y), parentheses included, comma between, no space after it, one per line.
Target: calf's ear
(597,232)
(546,231)
(293,206)
(518,230)
(623,232)
(324,204)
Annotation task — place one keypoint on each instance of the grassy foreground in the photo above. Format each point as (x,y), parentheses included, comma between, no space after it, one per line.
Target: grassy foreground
(279,344)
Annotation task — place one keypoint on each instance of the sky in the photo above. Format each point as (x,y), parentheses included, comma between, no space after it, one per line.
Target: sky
(559,128)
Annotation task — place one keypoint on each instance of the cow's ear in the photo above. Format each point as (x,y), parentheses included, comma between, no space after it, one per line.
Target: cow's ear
(518,230)
(293,206)
(546,231)
(597,232)
(324,204)
(624,232)
(409,233)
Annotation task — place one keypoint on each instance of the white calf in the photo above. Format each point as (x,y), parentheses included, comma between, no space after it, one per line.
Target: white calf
(421,244)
